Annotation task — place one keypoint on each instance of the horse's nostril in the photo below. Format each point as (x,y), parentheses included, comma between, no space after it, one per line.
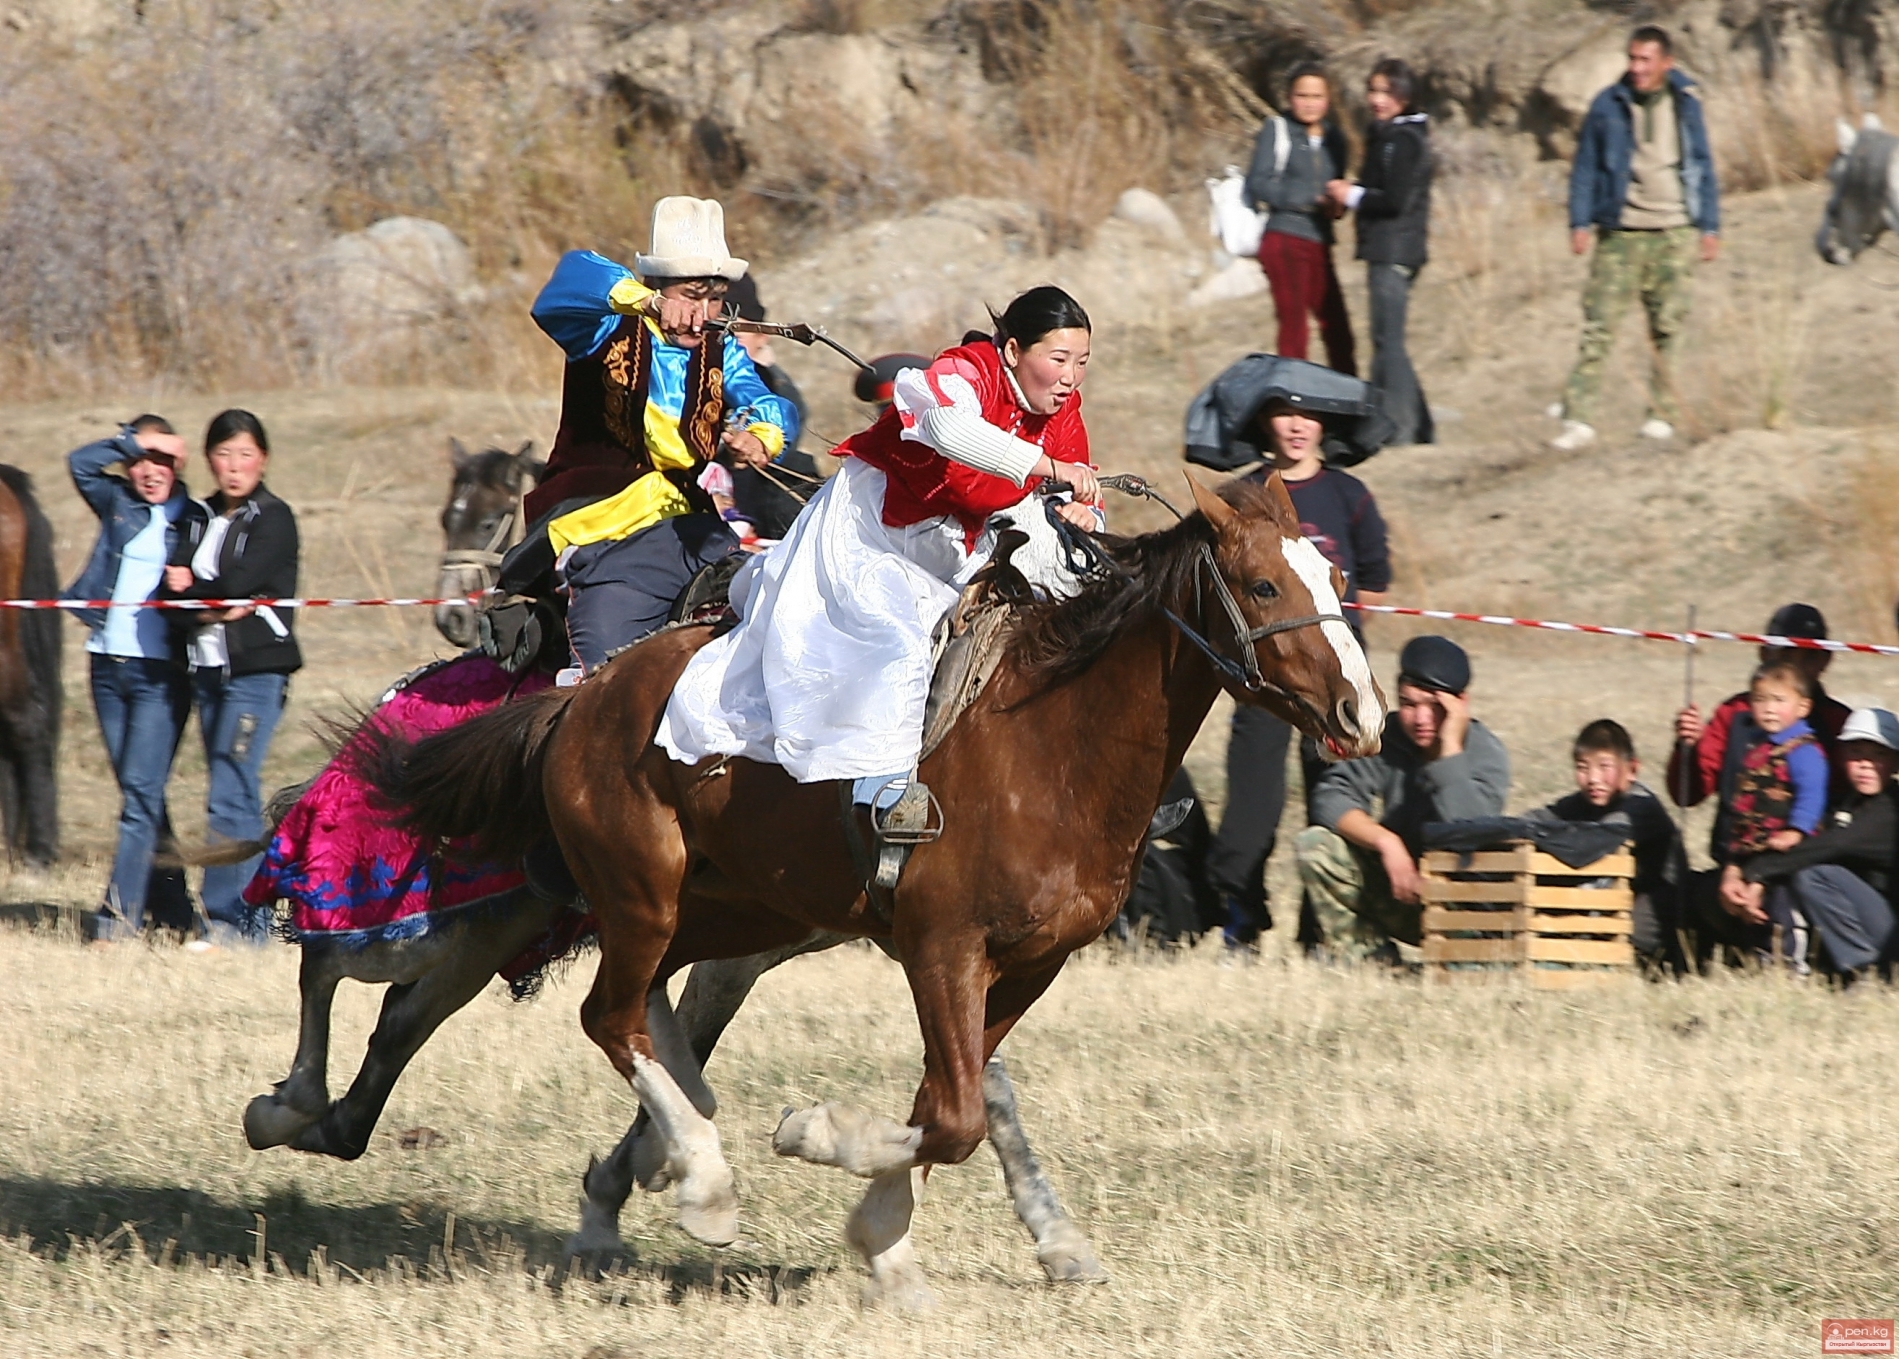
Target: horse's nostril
(1348,714)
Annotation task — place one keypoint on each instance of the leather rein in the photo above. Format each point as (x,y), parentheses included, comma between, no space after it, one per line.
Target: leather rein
(1086,558)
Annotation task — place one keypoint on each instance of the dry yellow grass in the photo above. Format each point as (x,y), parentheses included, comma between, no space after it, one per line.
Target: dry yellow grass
(1271,1159)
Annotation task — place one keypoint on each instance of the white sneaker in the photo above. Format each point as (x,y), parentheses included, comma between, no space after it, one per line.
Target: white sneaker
(1657,429)
(1575,435)
(1555,410)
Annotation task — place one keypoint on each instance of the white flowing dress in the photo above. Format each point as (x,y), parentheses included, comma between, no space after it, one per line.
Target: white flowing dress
(829,668)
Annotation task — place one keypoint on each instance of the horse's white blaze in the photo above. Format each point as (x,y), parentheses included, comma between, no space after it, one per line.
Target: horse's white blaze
(708,1204)
(1316,573)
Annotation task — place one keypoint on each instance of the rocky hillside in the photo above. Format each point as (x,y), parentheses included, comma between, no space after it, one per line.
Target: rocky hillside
(167,241)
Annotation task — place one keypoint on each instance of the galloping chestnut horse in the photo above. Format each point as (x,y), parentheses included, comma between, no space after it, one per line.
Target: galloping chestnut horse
(1047,785)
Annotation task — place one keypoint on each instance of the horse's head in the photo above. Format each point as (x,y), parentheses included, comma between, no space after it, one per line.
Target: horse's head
(1862,179)
(478,524)
(1311,669)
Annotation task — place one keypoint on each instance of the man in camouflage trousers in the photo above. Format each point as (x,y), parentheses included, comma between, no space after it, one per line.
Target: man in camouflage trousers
(1643,188)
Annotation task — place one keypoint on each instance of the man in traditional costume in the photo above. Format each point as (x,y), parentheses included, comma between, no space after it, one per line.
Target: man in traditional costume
(650,398)
(829,670)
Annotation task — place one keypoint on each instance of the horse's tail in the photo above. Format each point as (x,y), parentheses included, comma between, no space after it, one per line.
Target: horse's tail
(479,780)
(39,579)
(237,851)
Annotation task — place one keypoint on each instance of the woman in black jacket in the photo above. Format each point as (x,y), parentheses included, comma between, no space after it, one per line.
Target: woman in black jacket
(241,658)
(1393,199)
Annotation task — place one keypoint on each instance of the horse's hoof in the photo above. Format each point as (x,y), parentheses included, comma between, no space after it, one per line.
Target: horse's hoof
(599,1234)
(709,1205)
(269,1122)
(833,1134)
(906,1291)
(1071,1262)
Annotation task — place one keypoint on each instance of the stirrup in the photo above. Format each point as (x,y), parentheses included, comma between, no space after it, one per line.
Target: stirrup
(916,818)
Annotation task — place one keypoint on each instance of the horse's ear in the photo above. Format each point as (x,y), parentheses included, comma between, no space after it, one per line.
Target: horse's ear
(524,456)
(1219,513)
(1844,135)
(1281,501)
(459,457)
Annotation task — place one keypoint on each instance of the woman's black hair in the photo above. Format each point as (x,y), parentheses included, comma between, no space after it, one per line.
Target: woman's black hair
(1399,81)
(1301,72)
(1037,312)
(229,424)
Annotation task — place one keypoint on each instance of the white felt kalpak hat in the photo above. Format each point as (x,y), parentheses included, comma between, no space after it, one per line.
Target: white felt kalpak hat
(689,241)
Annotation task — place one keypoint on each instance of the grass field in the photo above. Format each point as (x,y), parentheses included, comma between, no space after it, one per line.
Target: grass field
(1271,1160)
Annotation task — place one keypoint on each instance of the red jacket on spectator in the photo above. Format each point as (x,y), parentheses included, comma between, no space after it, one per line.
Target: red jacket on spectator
(1705,774)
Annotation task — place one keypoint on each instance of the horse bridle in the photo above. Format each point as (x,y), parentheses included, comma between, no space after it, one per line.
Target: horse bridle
(485,562)
(1080,547)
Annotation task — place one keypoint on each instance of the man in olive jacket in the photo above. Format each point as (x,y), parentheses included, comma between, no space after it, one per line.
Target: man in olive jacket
(1642,191)
(1359,860)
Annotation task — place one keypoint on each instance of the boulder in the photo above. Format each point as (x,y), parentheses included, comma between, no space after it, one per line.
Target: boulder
(395,288)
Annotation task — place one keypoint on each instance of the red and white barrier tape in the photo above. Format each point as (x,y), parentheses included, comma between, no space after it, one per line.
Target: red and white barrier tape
(1688,638)
(1496,620)
(232,603)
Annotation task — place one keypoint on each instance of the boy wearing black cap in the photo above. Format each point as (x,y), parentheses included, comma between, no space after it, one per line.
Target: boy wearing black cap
(1437,764)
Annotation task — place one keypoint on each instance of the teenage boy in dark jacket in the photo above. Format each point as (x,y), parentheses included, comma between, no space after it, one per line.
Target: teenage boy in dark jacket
(1393,199)
(1338,514)
(1843,876)
(1643,188)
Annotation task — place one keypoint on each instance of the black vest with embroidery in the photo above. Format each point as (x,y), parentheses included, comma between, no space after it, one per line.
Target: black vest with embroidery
(601,448)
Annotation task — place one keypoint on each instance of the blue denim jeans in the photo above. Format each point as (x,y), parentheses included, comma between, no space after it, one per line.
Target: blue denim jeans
(142,706)
(237,715)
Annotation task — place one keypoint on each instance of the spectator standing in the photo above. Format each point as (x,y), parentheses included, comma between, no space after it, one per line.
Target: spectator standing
(241,658)
(1438,763)
(1643,187)
(139,686)
(1341,518)
(1393,199)
(1294,158)
(1843,877)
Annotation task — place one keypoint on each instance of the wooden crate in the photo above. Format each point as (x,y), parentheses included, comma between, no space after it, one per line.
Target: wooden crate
(1516,909)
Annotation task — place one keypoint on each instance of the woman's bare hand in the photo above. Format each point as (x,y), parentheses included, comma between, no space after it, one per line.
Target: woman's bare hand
(1077,476)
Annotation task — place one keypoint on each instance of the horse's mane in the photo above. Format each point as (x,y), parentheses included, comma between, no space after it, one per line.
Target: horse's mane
(1056,640)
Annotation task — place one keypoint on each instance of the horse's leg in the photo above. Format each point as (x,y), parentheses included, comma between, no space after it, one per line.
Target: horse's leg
(431,978)
(636,899)
(713,993)
(949,980)
(300,1099)
(1065,1254)
(39,791)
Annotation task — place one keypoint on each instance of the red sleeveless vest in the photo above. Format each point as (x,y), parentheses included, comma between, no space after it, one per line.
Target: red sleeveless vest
(924,484)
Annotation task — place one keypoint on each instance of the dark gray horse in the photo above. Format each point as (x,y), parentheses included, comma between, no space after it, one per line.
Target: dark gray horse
(1865,201)
(481,520)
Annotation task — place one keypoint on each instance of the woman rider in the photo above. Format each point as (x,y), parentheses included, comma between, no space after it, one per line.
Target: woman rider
(828,672)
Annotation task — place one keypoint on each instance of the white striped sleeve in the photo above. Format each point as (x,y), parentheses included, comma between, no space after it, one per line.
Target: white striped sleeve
(956,428)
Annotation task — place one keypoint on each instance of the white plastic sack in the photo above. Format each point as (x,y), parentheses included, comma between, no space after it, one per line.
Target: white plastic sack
(1235,225)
